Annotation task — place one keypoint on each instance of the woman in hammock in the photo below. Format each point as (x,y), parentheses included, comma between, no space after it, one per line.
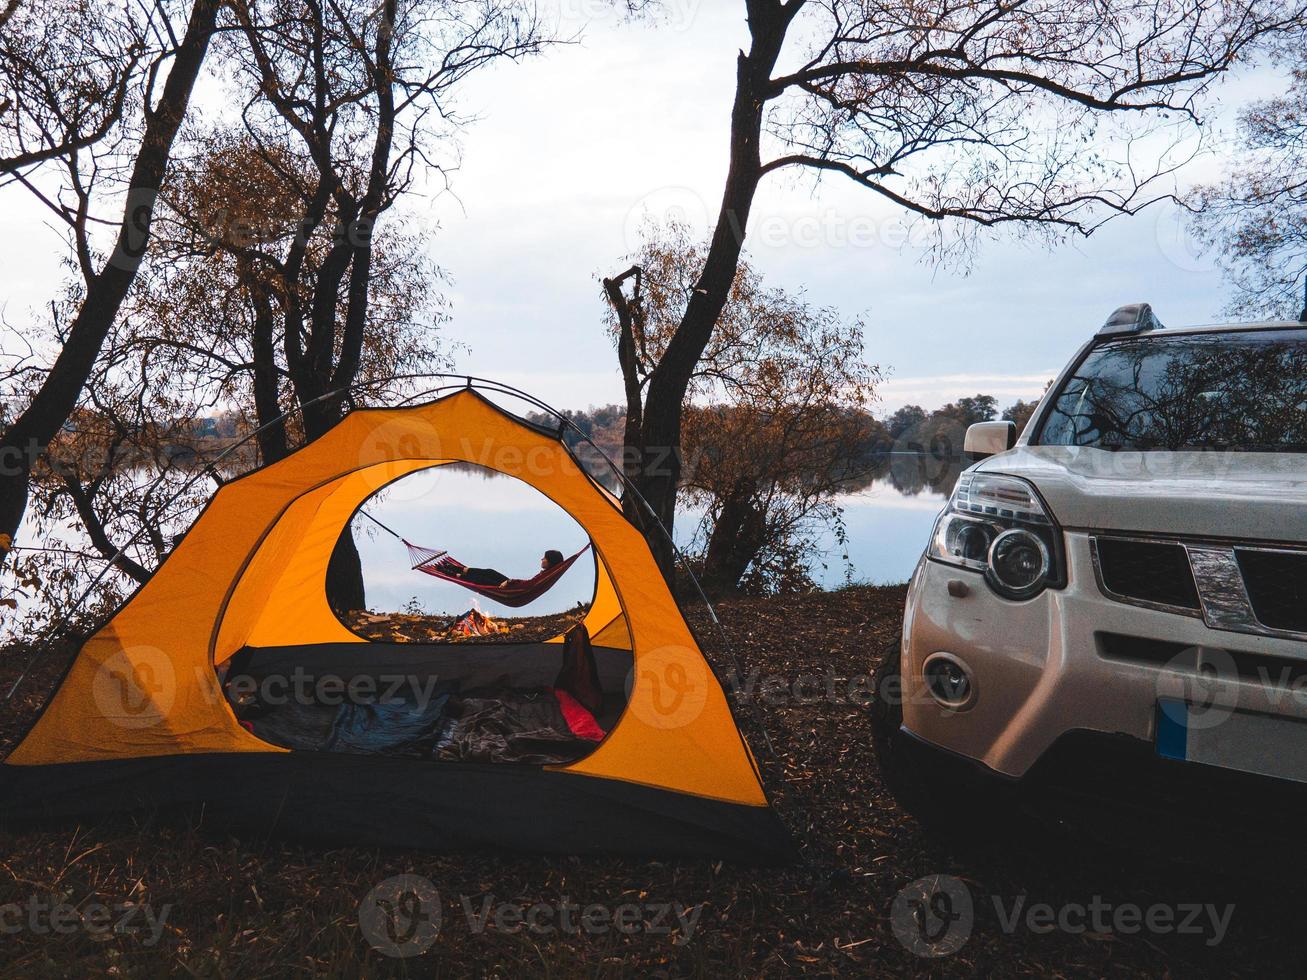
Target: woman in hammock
(491,576)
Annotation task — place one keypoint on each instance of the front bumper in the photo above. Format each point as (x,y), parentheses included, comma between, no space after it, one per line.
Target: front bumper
(1072,660)
(1115,791)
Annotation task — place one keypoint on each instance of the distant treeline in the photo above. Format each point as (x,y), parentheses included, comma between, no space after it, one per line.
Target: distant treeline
(912,428)
(912,449)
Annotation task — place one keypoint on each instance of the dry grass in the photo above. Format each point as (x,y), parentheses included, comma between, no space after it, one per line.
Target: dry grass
(253,908)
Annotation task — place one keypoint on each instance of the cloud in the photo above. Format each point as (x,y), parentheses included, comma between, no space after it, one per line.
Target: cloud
(932,391)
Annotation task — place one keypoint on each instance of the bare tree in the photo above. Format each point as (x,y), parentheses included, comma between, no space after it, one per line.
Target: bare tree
(144,153)
(130,449)
(779,408)
(1257,216)
(343,102)
(115,486)
(352,97)
(980,113)
(1020,412)
(274,280)
(7,12)
(66,69)
(363,90)
(215,299)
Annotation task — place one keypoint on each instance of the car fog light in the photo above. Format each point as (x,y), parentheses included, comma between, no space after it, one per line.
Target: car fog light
(1018,563)
(948,681)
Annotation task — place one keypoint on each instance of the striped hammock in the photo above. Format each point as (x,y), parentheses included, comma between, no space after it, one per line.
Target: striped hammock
(514,592)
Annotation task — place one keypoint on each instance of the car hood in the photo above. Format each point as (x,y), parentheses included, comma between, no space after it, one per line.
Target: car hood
(1257,496)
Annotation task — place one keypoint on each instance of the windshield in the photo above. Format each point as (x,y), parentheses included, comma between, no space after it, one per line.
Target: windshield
(1241,391)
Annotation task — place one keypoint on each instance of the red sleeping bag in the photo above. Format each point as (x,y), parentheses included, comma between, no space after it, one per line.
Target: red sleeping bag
(577,685)
(580,721)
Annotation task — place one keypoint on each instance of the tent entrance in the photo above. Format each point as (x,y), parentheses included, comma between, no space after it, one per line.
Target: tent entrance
(446,703)
(468,534)
(420,686)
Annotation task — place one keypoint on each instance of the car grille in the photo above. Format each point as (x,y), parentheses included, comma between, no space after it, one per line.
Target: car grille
(1147,571)
(1276,582)
(1240,588)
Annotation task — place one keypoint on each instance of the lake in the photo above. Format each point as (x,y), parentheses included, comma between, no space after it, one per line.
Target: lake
(498,522)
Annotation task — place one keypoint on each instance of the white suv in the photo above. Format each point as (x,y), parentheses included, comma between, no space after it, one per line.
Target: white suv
(1128,579)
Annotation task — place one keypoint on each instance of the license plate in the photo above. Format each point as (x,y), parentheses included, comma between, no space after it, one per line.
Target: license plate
(1268,745)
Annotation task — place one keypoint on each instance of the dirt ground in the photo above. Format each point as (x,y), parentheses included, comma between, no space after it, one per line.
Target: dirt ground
(398,628)
(194,901)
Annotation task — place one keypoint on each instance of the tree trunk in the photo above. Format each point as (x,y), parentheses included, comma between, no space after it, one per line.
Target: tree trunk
(738,535)
(27,438)
(628,313)
(95,530)
(267,400)
(352,253)
(659,451)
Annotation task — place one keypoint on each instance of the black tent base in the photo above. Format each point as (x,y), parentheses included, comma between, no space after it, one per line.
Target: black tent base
(380,801)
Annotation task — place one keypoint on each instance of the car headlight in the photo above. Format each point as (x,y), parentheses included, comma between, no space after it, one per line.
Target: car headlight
(998,525)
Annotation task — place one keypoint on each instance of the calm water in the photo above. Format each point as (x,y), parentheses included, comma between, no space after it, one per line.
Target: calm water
(499,522)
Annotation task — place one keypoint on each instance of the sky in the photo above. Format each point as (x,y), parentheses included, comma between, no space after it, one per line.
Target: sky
(571,151)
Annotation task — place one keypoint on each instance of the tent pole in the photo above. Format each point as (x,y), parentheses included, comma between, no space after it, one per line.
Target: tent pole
(390,531)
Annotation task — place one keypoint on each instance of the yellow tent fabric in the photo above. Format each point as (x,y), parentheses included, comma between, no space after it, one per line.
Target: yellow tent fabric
(252,572)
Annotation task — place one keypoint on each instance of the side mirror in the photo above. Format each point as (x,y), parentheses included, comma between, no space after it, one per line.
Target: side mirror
(988,438)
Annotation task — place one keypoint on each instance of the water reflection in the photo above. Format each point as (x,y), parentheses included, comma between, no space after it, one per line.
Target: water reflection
(888,517)
(916,470)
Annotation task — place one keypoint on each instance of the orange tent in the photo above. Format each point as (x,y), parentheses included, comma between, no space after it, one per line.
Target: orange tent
(145,716)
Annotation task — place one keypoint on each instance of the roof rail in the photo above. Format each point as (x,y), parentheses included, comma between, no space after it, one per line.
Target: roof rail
(1134,318)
